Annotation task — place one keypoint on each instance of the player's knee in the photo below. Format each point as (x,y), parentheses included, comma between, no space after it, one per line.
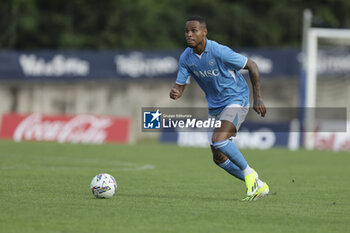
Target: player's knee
(217,137)
(223,133)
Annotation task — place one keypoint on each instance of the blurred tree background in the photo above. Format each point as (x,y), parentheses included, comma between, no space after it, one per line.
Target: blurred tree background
(159,24)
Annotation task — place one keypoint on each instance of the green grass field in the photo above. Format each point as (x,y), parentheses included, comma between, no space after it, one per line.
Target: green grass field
(164,188)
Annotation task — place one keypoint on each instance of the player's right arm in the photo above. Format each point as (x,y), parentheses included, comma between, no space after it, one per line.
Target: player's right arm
(182,79)
(176,91)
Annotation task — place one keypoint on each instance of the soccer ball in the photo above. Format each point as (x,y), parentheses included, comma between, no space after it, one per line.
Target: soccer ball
(103,186)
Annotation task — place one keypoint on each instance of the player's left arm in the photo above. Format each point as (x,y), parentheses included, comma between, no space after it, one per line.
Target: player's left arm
(254,75)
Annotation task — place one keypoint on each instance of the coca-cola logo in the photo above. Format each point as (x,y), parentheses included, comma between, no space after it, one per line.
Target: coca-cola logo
(78,129)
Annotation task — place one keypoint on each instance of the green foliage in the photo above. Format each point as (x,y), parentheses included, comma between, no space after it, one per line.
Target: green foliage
(158,24)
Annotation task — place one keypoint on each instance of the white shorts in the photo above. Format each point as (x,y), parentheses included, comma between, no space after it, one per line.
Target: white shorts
(234,113)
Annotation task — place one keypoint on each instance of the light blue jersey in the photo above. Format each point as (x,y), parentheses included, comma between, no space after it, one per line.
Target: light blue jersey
(216,72)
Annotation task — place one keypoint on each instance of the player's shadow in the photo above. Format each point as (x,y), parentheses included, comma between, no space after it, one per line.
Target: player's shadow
(156,196)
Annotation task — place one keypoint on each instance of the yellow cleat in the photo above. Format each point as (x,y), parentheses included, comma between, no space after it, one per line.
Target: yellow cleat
(263,191)
(251,182)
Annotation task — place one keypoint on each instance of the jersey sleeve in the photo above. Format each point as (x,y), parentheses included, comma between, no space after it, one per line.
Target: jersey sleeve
(183,76)
(232,59)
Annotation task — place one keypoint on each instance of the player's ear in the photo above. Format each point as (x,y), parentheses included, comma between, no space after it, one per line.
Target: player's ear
(205,31)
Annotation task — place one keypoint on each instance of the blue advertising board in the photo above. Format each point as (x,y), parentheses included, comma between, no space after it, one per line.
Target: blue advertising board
(78,65)
(252,135)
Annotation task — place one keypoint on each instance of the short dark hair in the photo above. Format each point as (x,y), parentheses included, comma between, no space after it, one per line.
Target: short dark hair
(198,18)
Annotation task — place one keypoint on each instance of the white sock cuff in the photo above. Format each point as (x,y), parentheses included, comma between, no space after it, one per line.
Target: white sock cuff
(224,164)
(248,170)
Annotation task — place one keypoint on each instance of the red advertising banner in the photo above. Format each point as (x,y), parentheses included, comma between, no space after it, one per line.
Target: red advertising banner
(65,128)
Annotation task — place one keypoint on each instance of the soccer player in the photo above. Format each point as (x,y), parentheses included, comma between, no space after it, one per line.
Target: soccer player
(216,67)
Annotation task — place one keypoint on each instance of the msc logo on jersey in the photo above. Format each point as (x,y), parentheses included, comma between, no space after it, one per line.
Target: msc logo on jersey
(207,73)
(151,120)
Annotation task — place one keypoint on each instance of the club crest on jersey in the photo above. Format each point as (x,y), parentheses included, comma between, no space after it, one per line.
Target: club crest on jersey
(211,62)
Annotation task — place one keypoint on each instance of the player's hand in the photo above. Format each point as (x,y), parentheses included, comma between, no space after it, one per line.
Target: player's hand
(175,93)
(259,107)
